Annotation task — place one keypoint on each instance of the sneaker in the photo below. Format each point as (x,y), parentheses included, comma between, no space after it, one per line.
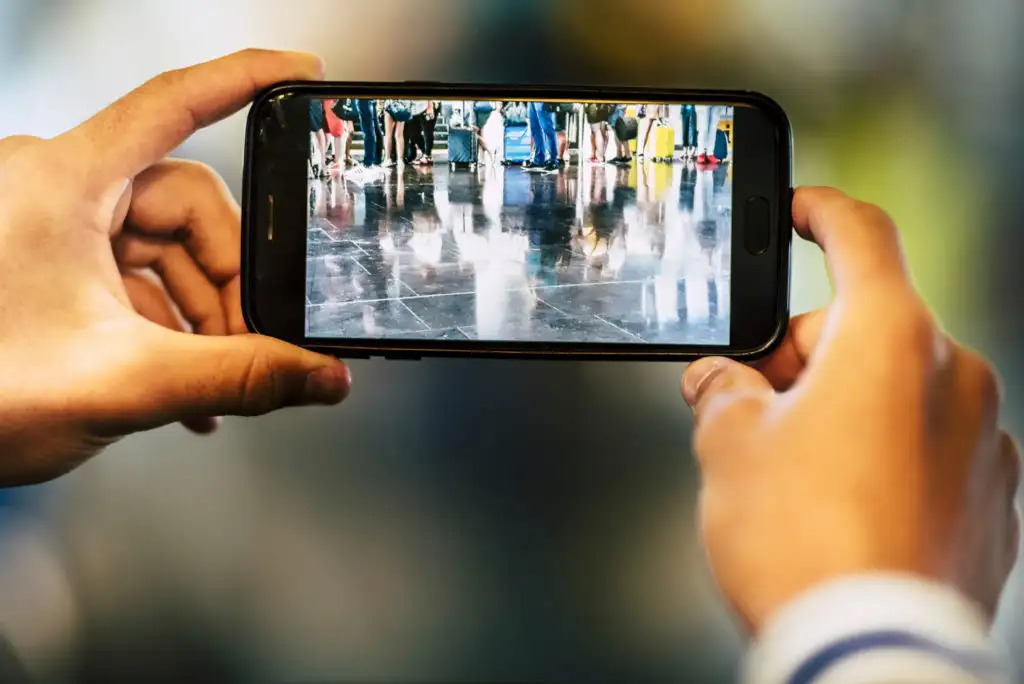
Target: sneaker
(702,158)
(552,166)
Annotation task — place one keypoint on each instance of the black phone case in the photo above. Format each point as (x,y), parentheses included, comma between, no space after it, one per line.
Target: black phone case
(395,349)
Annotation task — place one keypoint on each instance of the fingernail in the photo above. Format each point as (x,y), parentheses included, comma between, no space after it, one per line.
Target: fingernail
(697,377)
(328,385)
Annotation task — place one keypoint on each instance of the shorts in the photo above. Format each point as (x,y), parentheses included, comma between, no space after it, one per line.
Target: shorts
(482,117)
(399,115)
(561,121)
(317,118)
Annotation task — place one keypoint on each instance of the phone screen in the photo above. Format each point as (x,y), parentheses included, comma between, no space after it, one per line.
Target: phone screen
(519,221)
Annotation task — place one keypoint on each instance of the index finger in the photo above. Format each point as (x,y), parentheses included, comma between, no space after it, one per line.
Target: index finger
(147,124)
(860,241)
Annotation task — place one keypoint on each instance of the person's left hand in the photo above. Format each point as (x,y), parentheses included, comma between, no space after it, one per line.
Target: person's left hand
(110,255)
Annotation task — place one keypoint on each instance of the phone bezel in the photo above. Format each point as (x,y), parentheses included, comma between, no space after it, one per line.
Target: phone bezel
(273,285)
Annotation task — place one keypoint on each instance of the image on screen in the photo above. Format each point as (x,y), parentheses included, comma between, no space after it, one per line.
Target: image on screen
(502,221)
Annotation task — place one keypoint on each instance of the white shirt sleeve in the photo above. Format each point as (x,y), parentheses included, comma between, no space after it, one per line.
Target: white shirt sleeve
(875,629)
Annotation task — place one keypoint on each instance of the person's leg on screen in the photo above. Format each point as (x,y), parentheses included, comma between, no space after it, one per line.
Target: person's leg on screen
(412,139)
(549,138)
(599,140)
(400,142)
(428,136)
(688,125)
(707,130)
(389,133)
(367,110)
(346,143)
(537,134)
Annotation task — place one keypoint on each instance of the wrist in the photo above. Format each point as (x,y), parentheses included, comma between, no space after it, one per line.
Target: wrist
(879,612)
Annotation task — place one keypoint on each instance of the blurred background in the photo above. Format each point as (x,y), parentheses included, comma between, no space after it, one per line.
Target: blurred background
(489,521)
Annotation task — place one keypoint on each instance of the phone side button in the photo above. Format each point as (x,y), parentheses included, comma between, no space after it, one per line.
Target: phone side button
(401,356)
(757,222)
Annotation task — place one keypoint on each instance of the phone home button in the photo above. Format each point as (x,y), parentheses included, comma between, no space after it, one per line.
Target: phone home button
(757,224)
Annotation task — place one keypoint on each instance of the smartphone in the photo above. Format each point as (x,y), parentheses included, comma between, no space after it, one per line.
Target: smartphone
(406,220)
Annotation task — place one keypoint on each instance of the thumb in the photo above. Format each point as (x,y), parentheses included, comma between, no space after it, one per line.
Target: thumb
(716,383)
(242,375)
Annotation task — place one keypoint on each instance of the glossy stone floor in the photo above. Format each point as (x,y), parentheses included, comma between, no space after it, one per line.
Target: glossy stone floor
(593,253)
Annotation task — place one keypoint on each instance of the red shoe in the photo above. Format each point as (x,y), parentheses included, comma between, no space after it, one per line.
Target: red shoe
(702,158)
(712,160)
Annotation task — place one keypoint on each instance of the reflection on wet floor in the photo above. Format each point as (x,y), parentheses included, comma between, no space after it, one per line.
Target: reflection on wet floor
(597,253)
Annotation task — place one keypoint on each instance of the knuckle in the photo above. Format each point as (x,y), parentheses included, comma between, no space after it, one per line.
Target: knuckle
(984,377)
(911,327)
(200,172)
(258,389)
(255,53)
(18,143)
(871,213)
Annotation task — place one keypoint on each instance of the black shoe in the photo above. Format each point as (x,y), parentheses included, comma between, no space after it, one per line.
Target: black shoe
(531,165)
(552,166)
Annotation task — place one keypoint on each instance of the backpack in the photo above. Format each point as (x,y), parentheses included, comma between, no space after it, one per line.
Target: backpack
(516,113)
(345,110)
(598,112)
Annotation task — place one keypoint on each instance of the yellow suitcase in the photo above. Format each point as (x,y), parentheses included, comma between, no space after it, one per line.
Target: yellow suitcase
(664,143)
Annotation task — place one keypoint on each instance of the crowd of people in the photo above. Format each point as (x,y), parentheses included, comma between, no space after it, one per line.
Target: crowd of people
(535,217)
(401,132)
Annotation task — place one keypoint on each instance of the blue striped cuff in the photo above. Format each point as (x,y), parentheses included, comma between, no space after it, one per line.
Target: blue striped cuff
(980,664)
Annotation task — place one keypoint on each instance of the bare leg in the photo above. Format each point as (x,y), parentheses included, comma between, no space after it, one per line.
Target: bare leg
(400,141)
(389,129)
(321,140)
(647,136)
(346,144)
(315,155)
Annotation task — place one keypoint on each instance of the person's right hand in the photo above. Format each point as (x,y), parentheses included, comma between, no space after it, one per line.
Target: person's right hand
(869,441)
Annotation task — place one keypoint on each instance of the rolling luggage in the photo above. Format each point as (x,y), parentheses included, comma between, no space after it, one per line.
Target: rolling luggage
(664,144)
(627,128)
(721,145)
(517,144)
(461,147)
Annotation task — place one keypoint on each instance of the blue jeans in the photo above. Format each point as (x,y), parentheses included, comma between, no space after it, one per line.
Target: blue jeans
(689,114)
(542,130)
(367,110)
